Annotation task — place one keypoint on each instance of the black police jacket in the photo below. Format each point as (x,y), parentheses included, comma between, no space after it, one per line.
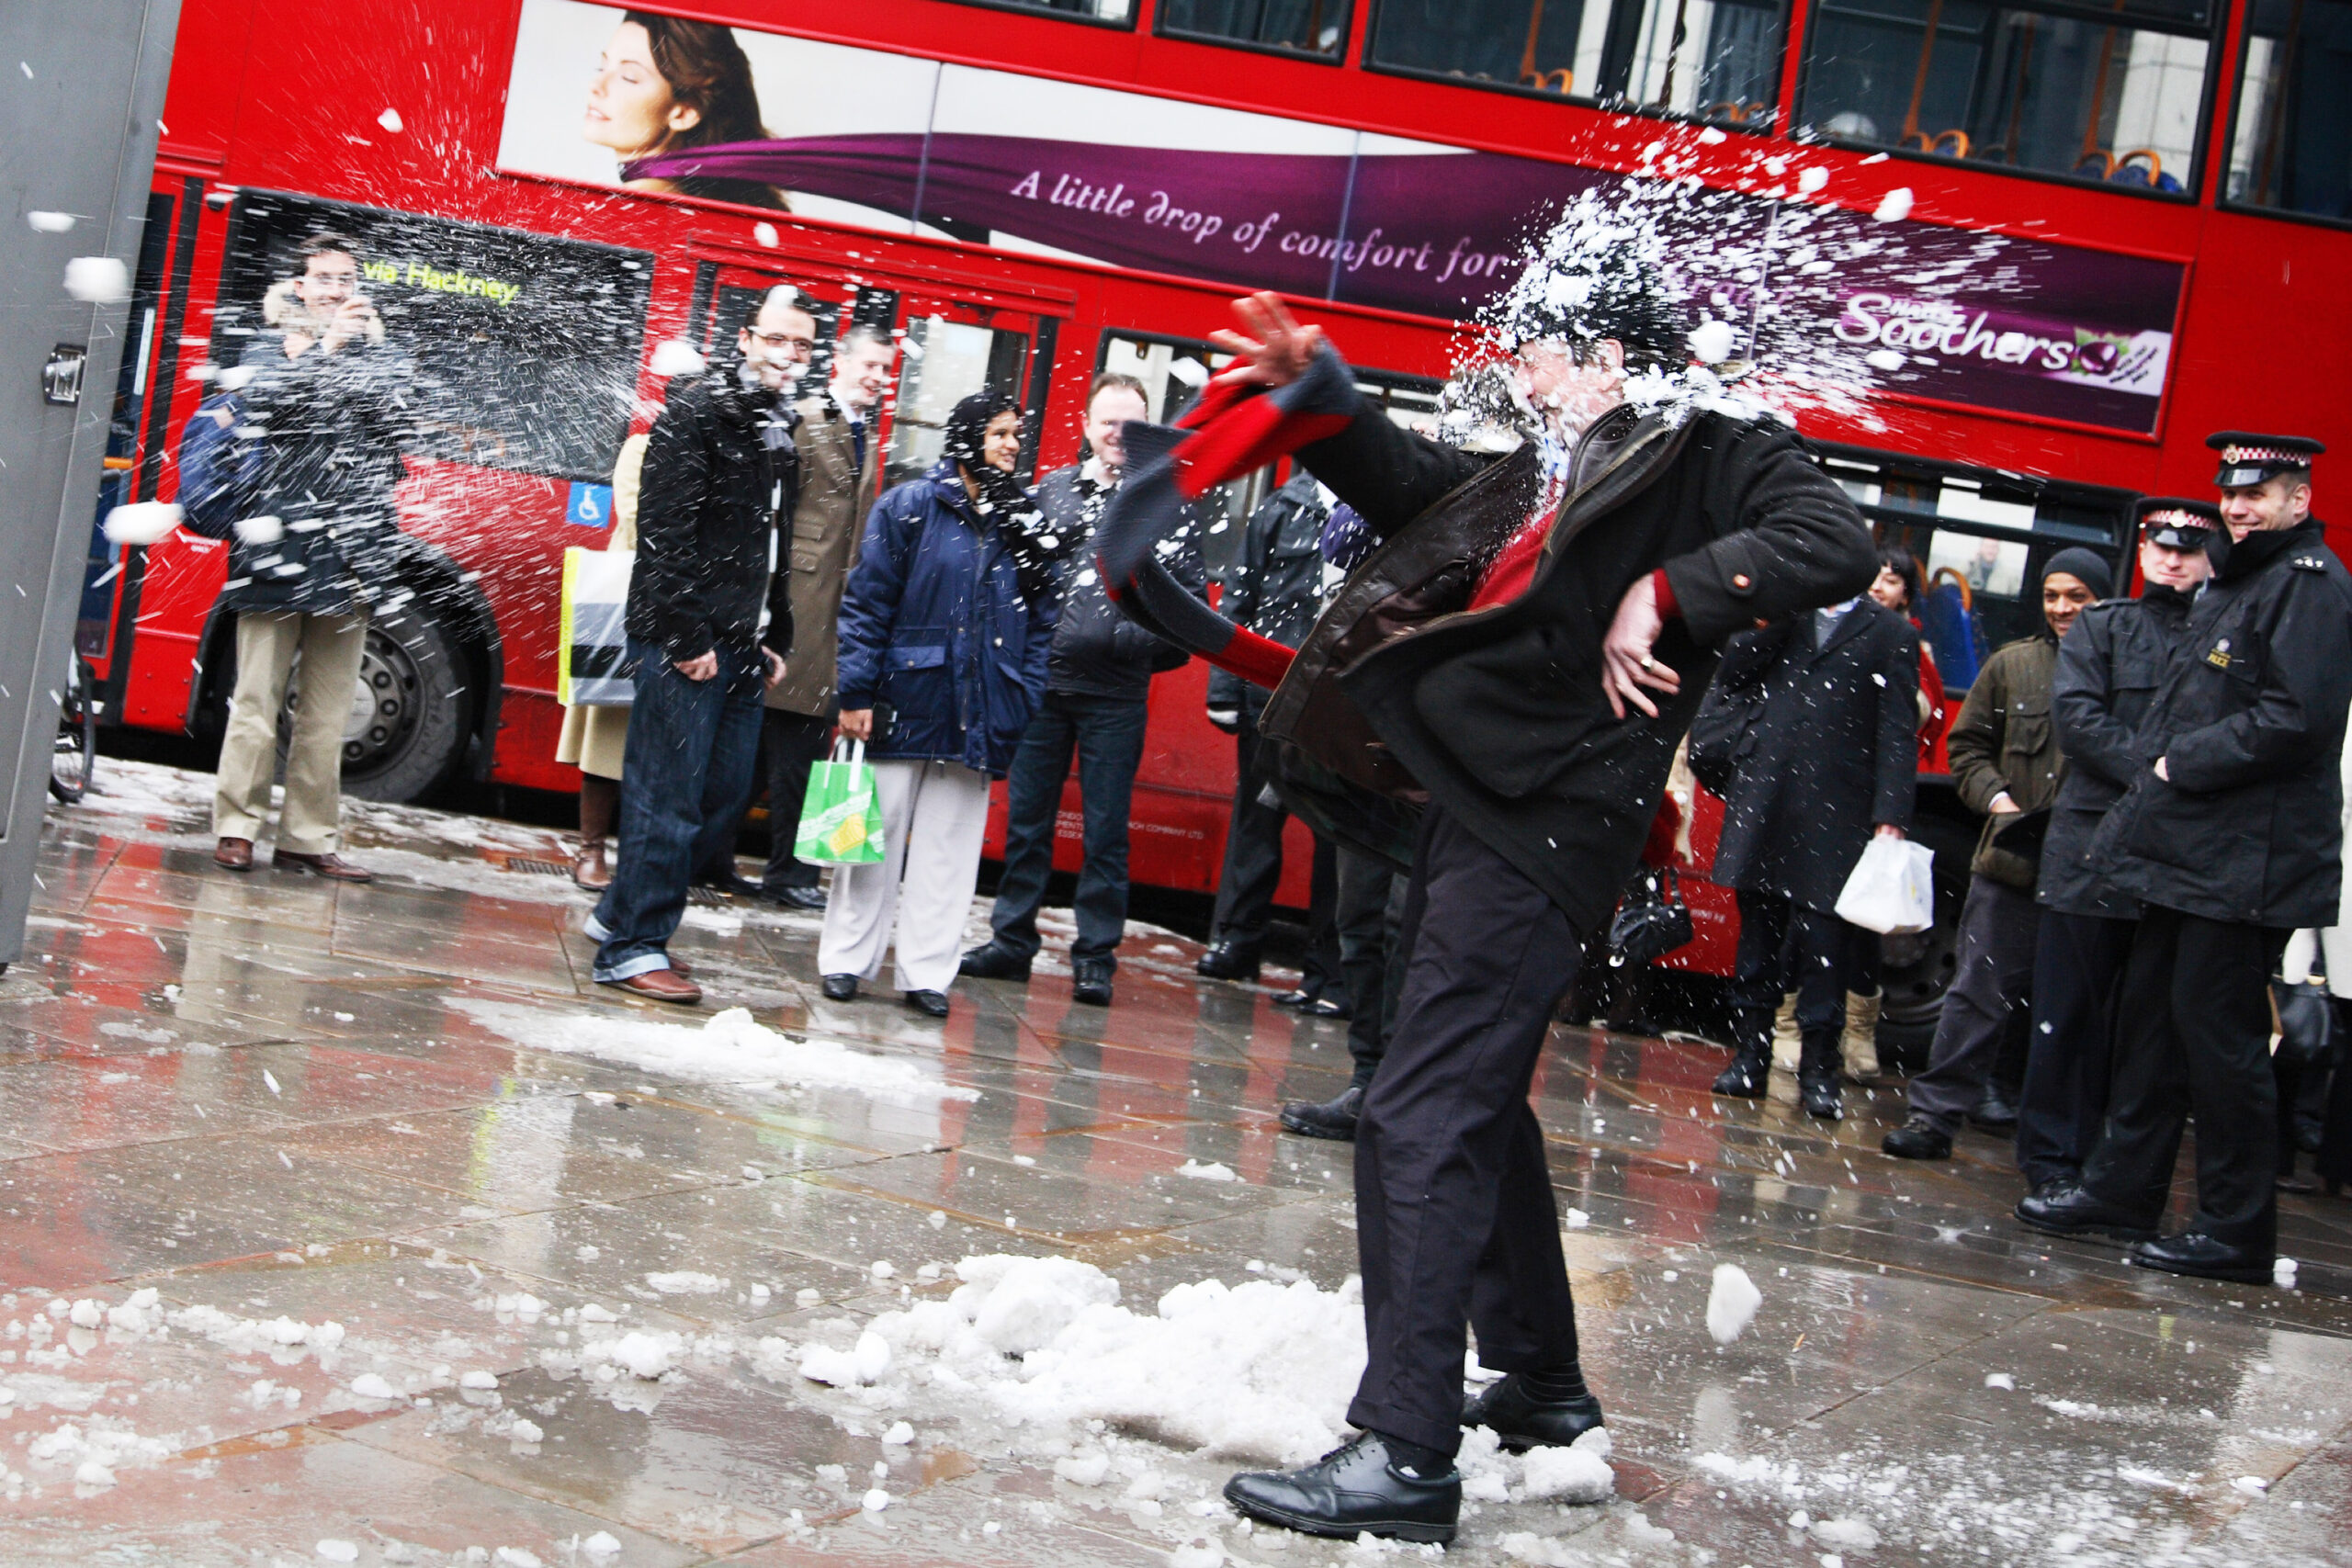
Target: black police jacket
(1099,652)
(1832,750)
(2108,668)
(1497,715)
(721,475)
(2249,724)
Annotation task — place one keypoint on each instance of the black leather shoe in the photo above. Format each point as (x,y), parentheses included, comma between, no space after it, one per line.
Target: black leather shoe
(1822,1096)
(1746,1077)
(727,882)
(841,987)
(1091,981)
(812,899)
(1297,998)
(1917,1138)
(2193,1252)
(2065,1209)
(1325,1006)
(1229,960)
(1996,1112)
(935,1003)
(1353,1490)
(993,960)
(1524,1421)
(1334,1119)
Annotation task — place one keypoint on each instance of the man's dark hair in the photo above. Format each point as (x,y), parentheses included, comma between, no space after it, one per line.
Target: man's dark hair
(325,242)
(1620,297)
(866,332)
(1116,380)
(1900,561)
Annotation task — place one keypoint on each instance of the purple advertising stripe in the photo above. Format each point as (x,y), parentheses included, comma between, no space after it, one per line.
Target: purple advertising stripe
(1441,233)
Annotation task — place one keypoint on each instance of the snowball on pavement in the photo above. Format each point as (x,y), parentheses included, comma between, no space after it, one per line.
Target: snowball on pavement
(335,1550)
(876,1501)
(1025,1302)
(479,1380)
(848,1368)
(1999,1380)
(1846,1535)
(1216,1171)
(369,1385)
(1578,1473)
(641,1354)
(1201,1552)
(2282,1273)
(1084,1470)
(1731,1303)
(900,1434)
(603,1543)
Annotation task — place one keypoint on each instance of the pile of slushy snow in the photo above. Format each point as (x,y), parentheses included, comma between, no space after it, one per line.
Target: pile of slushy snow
(1256,1372)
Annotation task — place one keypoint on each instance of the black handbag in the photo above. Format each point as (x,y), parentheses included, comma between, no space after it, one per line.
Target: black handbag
(2308,1033)
(1653,921)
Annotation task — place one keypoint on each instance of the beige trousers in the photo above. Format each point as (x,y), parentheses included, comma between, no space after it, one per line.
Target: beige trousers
(267,644)
(934,816)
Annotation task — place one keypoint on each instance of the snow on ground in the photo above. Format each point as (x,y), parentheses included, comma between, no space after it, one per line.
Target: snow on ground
(729,1048)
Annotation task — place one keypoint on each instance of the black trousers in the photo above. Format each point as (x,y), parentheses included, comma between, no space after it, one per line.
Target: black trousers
(1784,946)
(1368,893)
(2193,1038)
(2078,963)
(1253,867)
(1986,1005)
(1455,1225)
(790,744)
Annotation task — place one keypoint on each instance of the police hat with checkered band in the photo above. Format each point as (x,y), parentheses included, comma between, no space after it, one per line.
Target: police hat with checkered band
(2248,458)
(2175,521)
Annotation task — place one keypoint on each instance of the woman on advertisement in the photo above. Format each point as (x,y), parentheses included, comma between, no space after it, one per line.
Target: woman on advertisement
(666,85)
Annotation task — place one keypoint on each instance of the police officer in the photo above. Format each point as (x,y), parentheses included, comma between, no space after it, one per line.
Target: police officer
(2108,667)
(2231,835)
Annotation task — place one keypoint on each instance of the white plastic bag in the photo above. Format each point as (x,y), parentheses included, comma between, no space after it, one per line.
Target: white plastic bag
(1892,889)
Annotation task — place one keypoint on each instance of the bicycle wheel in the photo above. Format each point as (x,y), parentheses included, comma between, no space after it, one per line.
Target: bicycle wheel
(74,760)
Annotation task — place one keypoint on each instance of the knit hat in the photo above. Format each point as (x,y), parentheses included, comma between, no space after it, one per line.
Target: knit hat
(2084,565)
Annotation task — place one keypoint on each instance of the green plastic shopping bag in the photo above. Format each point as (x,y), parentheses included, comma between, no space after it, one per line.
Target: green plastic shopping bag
(840,819)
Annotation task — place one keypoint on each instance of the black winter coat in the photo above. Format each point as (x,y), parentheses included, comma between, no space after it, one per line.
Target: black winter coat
(2108,667)
(1099,652)
(1833,751)
(720,478)
(1498,714)
(330,428)
(2249,724)
(1277,590)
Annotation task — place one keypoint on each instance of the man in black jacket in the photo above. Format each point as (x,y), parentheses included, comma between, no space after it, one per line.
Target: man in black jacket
(1527,648)
(708,608)
(1097,690)
(1276,591)
(326,404)
(2107,670)
(1829,757)
(2232,836)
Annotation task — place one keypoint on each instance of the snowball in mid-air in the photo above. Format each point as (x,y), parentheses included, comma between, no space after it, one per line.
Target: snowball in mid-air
(263,530)
(50,223)
(1732,1302)
(390,120)
(2000,1380)
(141,522)
(764,234)
(97,280)
(1884,359)
(2282,1273)
(1813,179)
(675,357)
(1711,342)
(1894,205)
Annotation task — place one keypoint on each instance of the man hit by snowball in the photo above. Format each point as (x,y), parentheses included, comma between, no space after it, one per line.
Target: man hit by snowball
(1526,651)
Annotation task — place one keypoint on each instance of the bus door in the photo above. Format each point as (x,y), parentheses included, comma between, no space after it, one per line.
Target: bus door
(949,349)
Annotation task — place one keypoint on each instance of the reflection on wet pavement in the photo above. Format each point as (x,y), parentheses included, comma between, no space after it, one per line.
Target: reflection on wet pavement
(355,1216)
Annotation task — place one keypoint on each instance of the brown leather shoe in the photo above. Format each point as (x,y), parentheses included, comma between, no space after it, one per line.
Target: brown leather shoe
(660,986)
(591,871)
(233,855)
(333,867)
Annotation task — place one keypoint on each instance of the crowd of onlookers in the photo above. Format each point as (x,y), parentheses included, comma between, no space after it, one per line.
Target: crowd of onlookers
(2152,766)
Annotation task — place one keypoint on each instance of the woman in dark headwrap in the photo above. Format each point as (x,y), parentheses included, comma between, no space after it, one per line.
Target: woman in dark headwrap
(945,624)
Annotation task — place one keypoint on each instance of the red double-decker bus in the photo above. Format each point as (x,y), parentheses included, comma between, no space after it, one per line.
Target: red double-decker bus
(2115,227)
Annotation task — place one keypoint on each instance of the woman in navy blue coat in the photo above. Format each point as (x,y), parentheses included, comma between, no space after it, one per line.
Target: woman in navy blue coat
(946,624)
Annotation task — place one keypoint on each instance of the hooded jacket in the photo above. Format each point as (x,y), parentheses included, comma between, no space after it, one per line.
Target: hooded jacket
(1497,716)
(324,433)
(1832,752)
(1099,652)
(2248,722)
(2108,671)
(720,477)
(2004,741)
(934,626)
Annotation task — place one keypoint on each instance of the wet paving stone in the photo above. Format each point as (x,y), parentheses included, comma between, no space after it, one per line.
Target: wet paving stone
(359,1214)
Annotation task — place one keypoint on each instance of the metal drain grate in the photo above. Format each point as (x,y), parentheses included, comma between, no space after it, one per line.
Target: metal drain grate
(538,867)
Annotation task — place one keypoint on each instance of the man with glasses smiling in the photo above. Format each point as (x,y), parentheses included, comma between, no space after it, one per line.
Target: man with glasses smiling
(708,611)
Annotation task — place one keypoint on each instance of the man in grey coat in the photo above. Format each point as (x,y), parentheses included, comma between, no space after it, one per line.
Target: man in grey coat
(327,402)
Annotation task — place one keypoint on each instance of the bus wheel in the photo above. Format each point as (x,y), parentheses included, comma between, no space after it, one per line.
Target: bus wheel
(411,710)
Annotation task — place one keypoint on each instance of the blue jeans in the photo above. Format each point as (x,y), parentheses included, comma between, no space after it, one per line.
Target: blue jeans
(685,779)
(1107,735)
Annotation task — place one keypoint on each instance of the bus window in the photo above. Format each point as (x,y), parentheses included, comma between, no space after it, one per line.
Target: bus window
(1118,13)
(942,363)
(1715,58)
(2109,93)
(2294,117)
(1307,27)
(526,346)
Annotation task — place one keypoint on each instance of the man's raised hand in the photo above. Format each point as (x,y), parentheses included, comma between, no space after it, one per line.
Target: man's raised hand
(1272,349)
